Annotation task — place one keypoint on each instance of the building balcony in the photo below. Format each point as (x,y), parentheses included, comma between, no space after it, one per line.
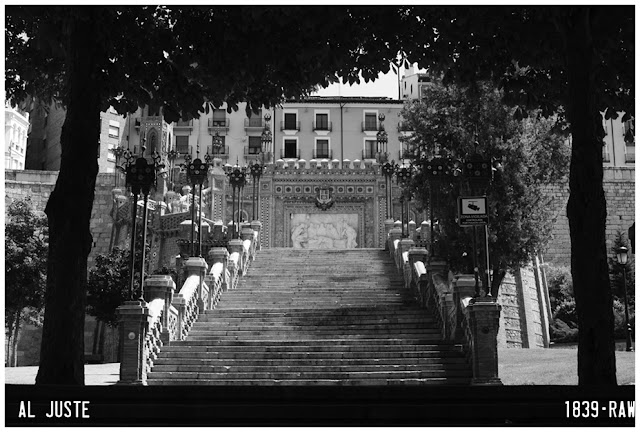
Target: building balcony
(183,149)
(606,157)
(290,155)
(630,158)
(369,127)
(216,125)
(322,126)
(254,123)
(183,125)
(221,153)
(290,126)
(323,154)
(366,154)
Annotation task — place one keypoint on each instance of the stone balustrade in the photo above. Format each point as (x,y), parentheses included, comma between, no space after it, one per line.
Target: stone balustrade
(465,320)
(164,316)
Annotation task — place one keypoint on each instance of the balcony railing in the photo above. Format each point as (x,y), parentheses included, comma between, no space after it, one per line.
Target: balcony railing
(368,154)
(322,126)
(248,150)
(217,124)
(182,149)
(290,155)
(289,125)
(222,152)
(630,158)
(254,122)
(606,157)
(323,154)
(183,124)
(367,126)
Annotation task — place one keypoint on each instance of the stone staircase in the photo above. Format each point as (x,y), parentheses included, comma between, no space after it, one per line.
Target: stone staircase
(307,317)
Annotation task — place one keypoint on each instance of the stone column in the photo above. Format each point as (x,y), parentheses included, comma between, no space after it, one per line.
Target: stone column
(405,245)
(133,318)
(163,287)
(220,255)
(197,266)
(257,227)
(388,225)
(236,245)
(412,230)
(484,320)
(394,234)
(463,287)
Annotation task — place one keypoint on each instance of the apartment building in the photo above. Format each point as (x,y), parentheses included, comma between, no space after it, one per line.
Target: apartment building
(16,130)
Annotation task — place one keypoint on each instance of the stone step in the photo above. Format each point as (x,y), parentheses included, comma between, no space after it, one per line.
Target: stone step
(313,361)
(235,355)
(340,345)
(316,382)
(206,376)
(302,368)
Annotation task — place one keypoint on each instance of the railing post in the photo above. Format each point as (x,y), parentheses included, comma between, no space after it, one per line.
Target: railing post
(417,254)
(484,320)
(133,318)
(180,304)
(236,245)
(388,225)
(412,229)
(247,234)
(220,255)
(394,234)
(197,266)
(163,287)
(257,227)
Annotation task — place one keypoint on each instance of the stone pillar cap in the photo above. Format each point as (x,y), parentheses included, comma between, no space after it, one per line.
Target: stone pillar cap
(195,262)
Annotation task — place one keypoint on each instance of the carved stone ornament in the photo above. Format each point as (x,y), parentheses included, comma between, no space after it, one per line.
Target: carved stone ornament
(324,199)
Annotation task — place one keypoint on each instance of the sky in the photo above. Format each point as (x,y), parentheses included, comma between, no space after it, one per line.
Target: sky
(385,85)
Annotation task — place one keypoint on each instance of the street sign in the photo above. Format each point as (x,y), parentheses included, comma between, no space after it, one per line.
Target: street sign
(472,211)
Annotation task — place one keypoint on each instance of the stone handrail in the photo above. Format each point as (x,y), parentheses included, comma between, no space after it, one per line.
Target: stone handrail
(464,320)
(145,326)
(153,340)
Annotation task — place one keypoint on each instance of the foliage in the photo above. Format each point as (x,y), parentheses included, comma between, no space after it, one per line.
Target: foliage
(109,282)
(26,243)
(450,122)
(108,285)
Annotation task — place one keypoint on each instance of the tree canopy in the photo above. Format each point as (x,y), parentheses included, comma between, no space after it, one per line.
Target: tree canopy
(454,123)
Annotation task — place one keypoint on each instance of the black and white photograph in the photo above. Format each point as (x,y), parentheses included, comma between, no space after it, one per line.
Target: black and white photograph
(319,215)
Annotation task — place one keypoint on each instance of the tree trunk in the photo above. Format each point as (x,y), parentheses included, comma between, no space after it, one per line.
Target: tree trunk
(13,360)
(587,212)
(498,276)
(69,212)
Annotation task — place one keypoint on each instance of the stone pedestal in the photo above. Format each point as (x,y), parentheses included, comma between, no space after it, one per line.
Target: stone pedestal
(246,233)
(394,234)
(405,245)
(436,265)
(257,227)
(235,245)
(417,254)
(197,266)
(220,255)
(162,287)
(412,230)
(133,318)
(388,225)
(484,320)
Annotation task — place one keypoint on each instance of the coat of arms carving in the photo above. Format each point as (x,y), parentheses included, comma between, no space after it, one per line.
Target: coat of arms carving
(324,199)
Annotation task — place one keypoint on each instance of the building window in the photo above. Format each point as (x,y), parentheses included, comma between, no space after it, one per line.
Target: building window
(290,149)
(370,149)
(370,121)
(255,119)
(222,149)
(114,131)
(219,118)
(322,122)
(290,121)
(255,145)
(182,144)
(322,149)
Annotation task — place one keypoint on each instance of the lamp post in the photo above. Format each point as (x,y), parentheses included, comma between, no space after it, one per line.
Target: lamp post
(622,256)
(382,138)
(403,177)
(141,177)
(266,136)
(118,152)
(256,171)
(172,155)
(197,174)
(478,171)
(237,179)
(388,169)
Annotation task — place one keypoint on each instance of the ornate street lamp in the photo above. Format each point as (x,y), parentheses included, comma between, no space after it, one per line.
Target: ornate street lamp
(478,171)
(437,170)
(256,171)
(172,155)
(140,177)
(382,139)
(266,136)
(197,174)
(622,257)
(237,179)
(388,170)
(403,177)
(118,152)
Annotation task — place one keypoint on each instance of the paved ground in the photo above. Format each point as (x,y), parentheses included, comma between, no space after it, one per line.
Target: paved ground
(94,374)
